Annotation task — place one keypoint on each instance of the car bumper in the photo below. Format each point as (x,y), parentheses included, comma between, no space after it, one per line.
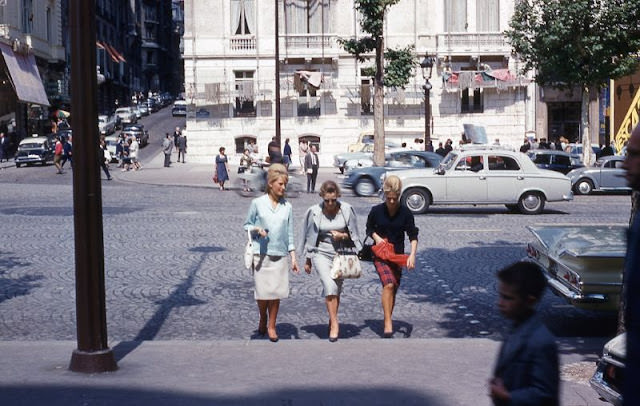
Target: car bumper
(568,197)
(600,385)
(30,160)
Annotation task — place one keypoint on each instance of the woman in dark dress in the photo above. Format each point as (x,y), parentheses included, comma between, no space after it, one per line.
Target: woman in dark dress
(387,224)
(222,169)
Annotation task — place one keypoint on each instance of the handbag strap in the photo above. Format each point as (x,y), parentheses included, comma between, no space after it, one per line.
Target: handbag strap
(249,237)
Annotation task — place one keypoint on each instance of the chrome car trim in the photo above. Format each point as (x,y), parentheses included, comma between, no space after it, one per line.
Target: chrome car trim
(565,292)
(603,389)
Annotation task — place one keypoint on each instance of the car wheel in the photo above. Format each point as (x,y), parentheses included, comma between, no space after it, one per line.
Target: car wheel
(416,200)
(583,187)
(365,187)
(531,203)
(17,165)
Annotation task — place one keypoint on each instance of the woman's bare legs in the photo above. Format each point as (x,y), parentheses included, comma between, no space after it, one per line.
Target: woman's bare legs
(333,303)
(388,302)
(262,308)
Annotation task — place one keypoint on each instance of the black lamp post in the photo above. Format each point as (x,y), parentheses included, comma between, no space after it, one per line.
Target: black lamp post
(427,67)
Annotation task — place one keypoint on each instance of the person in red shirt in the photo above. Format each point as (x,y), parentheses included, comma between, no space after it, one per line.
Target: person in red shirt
(57,157)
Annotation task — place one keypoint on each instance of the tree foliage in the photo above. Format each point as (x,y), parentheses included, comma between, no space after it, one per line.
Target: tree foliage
(400,62)
(576,43)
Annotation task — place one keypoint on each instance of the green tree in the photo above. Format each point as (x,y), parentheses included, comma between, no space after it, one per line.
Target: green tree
(577,44)
(397,71)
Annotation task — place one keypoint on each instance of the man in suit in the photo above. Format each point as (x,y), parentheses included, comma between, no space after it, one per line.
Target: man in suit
(631,288)
(526,372)
(311,169)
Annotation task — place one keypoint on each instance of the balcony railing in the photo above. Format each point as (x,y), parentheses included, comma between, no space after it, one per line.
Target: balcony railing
(242,42)
(472,43)
(309,41)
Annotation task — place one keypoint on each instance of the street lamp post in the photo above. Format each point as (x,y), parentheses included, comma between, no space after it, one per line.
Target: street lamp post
(427,67)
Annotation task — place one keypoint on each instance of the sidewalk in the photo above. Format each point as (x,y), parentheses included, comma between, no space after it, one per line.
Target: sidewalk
(433,372)
(191,174)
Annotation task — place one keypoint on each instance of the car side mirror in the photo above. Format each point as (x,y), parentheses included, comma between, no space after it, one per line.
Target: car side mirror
(439,170)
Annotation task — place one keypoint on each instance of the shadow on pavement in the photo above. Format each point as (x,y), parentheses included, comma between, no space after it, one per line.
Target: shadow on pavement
(66,395)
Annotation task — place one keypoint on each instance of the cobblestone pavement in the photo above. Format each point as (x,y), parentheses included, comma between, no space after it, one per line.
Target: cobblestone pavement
(173,268)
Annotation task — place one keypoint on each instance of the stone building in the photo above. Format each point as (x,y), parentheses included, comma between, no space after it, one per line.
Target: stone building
(326,96)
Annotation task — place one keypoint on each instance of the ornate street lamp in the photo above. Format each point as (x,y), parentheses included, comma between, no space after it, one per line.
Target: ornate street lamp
(427,68)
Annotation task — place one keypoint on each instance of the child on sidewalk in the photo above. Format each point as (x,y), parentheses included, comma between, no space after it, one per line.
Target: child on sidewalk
(526,372)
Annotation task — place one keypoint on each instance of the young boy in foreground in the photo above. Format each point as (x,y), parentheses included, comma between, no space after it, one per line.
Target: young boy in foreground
(526,372)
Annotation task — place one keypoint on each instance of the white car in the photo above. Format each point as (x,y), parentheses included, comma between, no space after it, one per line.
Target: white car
(127,115)
(106,124)
(483,174)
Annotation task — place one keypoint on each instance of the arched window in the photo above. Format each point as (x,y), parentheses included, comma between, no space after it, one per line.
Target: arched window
(311,140)
(242,141)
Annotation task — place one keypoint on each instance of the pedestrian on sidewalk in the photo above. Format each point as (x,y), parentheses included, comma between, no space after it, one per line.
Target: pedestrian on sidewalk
(182,146)
(303,148)
(4,146)
(311,165)
(176,135)
(286,154)
(329,227)
(387,223)
(167,146)
(222,168)
(134,147)
(67,149)
(57,155)
(526,371)
(104,157)
(270,221)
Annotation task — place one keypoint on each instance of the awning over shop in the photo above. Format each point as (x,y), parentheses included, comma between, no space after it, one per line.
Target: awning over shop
(496,78)
(24,76)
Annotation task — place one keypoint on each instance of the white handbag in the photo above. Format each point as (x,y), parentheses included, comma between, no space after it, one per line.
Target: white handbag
(346,266)
(248,251)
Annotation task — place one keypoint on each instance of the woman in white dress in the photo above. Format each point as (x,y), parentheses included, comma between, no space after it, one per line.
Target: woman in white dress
(270,220)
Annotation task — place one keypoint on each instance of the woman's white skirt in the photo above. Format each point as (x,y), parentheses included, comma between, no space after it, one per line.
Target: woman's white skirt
(271,277)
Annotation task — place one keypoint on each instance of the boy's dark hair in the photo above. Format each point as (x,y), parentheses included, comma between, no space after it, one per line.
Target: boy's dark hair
(526,277)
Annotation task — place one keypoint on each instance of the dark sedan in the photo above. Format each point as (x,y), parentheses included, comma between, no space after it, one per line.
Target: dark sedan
(138,131)
(554,160)
(367,181)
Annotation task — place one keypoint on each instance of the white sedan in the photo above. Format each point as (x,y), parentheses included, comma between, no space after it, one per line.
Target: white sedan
(484,175)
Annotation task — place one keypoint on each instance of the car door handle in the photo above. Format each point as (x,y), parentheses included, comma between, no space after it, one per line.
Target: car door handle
(482,177)
(520,177)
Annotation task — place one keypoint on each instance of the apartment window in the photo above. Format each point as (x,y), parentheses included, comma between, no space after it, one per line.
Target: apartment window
(306,16)
(27,16)
(242,17)
(245,99)
(49,33)
(488,15)
(455,15)
(308,99)
(471,101)
(366,108)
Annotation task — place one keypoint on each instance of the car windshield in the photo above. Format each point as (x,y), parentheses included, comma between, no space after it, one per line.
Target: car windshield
(31,145)
(448,161)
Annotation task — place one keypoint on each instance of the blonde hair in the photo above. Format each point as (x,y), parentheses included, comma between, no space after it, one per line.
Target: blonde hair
(276,171)
(392,184)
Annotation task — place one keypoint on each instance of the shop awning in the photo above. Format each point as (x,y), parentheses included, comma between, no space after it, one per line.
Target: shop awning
(24,76)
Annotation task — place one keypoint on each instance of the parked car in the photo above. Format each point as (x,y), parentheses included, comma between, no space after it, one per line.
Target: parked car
(106,124)
(365,152)
(575,150)
(608,379)
(582,264)
(127,116)
(35,150)
(179,108)
(483,174)
(366,181)
(138,131)
(152,105)
(554,160)
(605,175)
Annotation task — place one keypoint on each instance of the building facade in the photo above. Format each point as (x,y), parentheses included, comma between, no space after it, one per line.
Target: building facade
(32,65)
(326,95)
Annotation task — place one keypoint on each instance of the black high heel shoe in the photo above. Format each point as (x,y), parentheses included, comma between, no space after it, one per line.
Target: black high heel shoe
(331,339)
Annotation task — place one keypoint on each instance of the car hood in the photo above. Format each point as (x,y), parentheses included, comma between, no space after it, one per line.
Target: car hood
(617,346)
(582,241)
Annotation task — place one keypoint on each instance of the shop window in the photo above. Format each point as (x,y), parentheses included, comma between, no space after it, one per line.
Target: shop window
(243,142)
